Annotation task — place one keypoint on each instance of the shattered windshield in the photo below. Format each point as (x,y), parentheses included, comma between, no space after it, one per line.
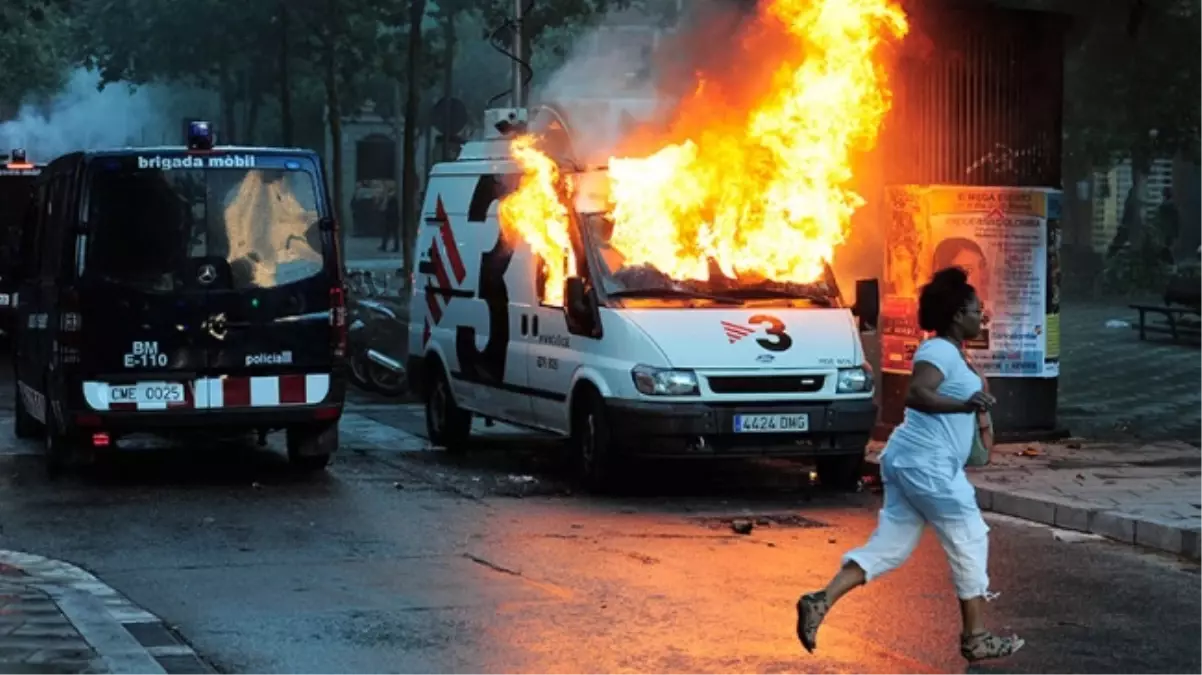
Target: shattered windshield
(618,279)
(258,226)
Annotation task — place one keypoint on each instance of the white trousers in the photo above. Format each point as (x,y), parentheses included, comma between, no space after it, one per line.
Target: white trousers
(946,500)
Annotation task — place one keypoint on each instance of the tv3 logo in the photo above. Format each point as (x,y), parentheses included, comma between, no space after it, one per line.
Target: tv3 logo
(775,340)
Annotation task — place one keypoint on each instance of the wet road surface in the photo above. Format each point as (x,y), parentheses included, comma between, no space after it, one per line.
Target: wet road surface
(402,560)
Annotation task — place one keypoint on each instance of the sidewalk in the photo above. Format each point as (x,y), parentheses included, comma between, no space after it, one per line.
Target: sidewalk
(363,253)
(1144,494)
(58,618)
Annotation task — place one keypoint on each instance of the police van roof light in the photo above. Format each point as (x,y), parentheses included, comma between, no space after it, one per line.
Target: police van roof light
(200,135)
(17,160)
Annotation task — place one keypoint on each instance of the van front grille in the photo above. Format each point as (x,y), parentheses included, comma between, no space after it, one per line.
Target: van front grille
(766,384)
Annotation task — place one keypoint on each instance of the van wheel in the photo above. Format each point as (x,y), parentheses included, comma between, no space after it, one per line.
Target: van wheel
(311,447)
(60,448)
(447,424)
(842,472)
(24,424)
(596,464)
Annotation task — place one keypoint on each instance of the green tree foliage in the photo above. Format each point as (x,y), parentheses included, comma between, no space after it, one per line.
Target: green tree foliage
(33,57)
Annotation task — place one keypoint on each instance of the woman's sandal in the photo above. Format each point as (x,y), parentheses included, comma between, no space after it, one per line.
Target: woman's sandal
(985,646)
(811,609)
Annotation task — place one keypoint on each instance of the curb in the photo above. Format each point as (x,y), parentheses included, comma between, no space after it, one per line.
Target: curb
(1068,515)
(126,637)
(1065,514)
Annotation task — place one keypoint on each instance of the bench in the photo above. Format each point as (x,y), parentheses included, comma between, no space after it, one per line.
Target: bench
(1176,327)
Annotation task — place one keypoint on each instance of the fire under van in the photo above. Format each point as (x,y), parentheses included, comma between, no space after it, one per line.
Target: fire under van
(181,290)
(626,366)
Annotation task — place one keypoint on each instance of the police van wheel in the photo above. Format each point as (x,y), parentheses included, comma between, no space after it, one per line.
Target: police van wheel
(60,448)
(593,444)
(311,447)
(842,472)
(24,424)
(447,424)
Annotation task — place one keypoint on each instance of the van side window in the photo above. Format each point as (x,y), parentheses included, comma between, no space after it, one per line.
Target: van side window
(52,230)
(541,281)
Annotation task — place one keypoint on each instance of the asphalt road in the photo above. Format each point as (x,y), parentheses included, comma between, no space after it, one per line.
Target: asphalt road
(400,560)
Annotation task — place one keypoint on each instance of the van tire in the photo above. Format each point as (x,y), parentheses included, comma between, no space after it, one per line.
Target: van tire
(60,448)
(310,447)
(24,425)
(841,472)
(447,424)
(592,443)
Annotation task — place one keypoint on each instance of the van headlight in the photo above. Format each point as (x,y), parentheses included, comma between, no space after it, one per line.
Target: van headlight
(854,380)
(664,382)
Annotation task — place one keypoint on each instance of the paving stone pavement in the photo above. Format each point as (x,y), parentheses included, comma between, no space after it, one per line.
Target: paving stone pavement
(1115,386)
(58,618)
(1144,494)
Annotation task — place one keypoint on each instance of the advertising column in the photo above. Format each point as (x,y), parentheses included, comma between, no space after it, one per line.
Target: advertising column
(1007,240)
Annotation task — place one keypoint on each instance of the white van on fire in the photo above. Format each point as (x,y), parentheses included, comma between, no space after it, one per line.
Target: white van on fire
(625,365)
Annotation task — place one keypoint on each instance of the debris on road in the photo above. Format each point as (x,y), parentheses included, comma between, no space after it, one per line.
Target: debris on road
(741,526)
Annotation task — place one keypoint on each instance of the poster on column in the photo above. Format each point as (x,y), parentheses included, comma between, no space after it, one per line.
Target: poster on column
(1000,237)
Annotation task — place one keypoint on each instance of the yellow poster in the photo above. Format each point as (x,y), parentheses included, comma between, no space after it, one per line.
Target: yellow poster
(1007,240)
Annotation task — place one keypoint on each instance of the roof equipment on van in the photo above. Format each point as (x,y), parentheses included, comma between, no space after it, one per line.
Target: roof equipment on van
(18,161)
(505,122)
(200,135)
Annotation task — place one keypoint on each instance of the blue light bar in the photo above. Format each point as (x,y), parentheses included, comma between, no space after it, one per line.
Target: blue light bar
(200,135)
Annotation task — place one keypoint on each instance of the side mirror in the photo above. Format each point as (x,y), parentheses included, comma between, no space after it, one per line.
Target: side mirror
(868,303)
(580,306)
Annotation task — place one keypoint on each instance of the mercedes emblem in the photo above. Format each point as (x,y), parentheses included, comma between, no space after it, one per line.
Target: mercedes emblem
(207,274)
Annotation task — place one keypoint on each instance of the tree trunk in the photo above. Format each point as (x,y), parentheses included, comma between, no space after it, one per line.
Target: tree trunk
(252,116)
(448,80)
(228,95)
(334,112)
(286,123)
(1140,165)
(408,197)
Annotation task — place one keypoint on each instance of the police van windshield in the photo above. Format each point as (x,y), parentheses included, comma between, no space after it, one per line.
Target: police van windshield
(149,227)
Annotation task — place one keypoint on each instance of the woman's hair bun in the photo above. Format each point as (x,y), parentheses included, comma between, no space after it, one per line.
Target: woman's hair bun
(950,277)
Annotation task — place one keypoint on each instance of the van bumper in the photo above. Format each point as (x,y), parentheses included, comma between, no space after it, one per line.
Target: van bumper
(218,421)
(678,430)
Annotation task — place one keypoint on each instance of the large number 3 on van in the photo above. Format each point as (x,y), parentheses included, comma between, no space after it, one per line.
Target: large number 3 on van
(168,290)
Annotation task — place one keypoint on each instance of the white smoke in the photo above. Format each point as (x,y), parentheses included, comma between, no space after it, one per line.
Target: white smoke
(605,84)
(83,117)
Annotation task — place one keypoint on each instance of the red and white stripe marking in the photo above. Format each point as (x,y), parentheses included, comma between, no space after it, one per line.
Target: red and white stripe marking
(207,393)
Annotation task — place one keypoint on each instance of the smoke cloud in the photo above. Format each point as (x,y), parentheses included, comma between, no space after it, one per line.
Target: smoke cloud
(82,117)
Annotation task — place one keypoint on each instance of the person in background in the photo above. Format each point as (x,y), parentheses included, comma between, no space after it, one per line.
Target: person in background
(391,219)
(922,468)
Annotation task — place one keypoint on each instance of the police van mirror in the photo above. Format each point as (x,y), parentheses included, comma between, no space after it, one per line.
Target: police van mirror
(868,303)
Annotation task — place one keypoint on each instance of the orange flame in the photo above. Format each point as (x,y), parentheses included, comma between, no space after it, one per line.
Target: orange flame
(536,213)
(761,188)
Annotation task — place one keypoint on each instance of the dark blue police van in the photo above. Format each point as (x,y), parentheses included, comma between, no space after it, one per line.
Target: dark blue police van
(171,289)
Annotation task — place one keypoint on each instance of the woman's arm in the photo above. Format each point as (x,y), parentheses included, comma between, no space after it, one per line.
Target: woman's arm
(923,397)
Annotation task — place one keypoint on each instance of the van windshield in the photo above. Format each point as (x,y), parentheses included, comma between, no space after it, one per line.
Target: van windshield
(620,280)
(149,228)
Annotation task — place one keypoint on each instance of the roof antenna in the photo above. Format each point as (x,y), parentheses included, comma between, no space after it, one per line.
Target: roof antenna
(511,121)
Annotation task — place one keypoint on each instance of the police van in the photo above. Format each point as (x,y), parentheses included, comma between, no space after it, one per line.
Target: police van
(181,288)
(622,367)
(17,176)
